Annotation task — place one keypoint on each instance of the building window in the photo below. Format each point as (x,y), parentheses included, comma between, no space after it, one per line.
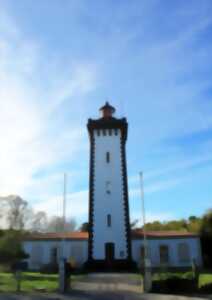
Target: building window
(122,253)
(76,254)
(108,220)
(54,255)
(183,252)
(164,254)
(110,131)
(107,157)
(37,255)
(108,187)
(142,253)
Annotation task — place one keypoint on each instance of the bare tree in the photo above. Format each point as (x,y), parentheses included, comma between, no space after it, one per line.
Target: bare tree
(71,225)
(16,212)
(56,224)
(39,221)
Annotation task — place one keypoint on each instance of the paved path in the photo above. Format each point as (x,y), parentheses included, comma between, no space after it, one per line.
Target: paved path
(102,287)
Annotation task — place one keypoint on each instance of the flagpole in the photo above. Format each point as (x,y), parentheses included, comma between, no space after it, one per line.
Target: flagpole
(64,213)
(147,262)
(64,201)
(62,250)
(143,215)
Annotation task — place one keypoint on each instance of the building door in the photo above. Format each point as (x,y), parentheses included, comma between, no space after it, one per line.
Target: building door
(109,252)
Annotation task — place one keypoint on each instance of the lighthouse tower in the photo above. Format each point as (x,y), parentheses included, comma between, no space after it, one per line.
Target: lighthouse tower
(109,226)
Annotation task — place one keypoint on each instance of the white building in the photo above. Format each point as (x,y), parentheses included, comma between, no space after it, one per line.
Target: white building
(109,242)
(167,249)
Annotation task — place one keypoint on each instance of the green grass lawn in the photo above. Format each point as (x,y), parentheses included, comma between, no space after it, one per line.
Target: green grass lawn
(30,282)
(205,279)
(35,281)
(166,275)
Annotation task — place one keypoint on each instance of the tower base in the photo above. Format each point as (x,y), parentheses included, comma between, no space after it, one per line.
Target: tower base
(117,265)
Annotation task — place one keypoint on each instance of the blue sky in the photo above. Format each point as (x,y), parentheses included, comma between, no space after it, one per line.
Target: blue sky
(60,61)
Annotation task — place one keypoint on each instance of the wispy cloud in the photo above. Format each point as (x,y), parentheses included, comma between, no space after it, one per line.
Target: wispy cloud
(76,206)
(156,186)
(182,165)
(31,139)
(49,84)
(151,217)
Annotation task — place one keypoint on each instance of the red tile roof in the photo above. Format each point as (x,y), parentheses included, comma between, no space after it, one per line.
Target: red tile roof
(136,234)
(74,235)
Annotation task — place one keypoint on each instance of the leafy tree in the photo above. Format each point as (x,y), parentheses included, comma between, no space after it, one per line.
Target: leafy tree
(17,212)
(206,228)
(56,224)
(192,219)
(11,247)
(84,226)
(194,224)
(154,226)
(39,221)
(206,238)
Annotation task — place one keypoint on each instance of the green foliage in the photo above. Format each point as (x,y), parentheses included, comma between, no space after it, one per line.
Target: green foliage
(29,282)
(84,226)
(32,281)
(11,247)
(181,282)
(206,238)
(193,224)
(206,226)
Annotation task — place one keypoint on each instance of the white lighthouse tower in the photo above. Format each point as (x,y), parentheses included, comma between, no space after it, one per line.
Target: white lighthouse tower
(109,226)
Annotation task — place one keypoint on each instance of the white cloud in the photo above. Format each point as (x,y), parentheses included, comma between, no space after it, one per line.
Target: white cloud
(179,166)
(82,80)
(76,205)
(156,186)
(29,141)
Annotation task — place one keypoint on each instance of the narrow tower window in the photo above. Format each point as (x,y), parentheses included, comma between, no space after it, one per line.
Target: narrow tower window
(107,157)
(108,220)
(108,186)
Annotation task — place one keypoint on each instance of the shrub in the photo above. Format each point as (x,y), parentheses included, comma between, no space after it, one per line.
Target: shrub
(174,285)
(50,268)
(207,288)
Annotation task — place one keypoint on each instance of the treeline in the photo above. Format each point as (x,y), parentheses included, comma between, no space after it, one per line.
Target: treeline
(200,225)
(192,224)
(16,214)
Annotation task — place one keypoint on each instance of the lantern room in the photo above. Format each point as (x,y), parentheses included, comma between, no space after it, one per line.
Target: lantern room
(107,110)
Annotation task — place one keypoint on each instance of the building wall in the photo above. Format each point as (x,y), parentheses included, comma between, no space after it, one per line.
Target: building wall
(40,251)
(193,244)
(108,203)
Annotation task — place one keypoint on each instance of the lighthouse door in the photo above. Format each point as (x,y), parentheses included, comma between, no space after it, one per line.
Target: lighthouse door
(109,252)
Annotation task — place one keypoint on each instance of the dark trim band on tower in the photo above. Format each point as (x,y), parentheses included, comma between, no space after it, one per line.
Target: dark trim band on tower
(91,197)
(109,123)
(126,200)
